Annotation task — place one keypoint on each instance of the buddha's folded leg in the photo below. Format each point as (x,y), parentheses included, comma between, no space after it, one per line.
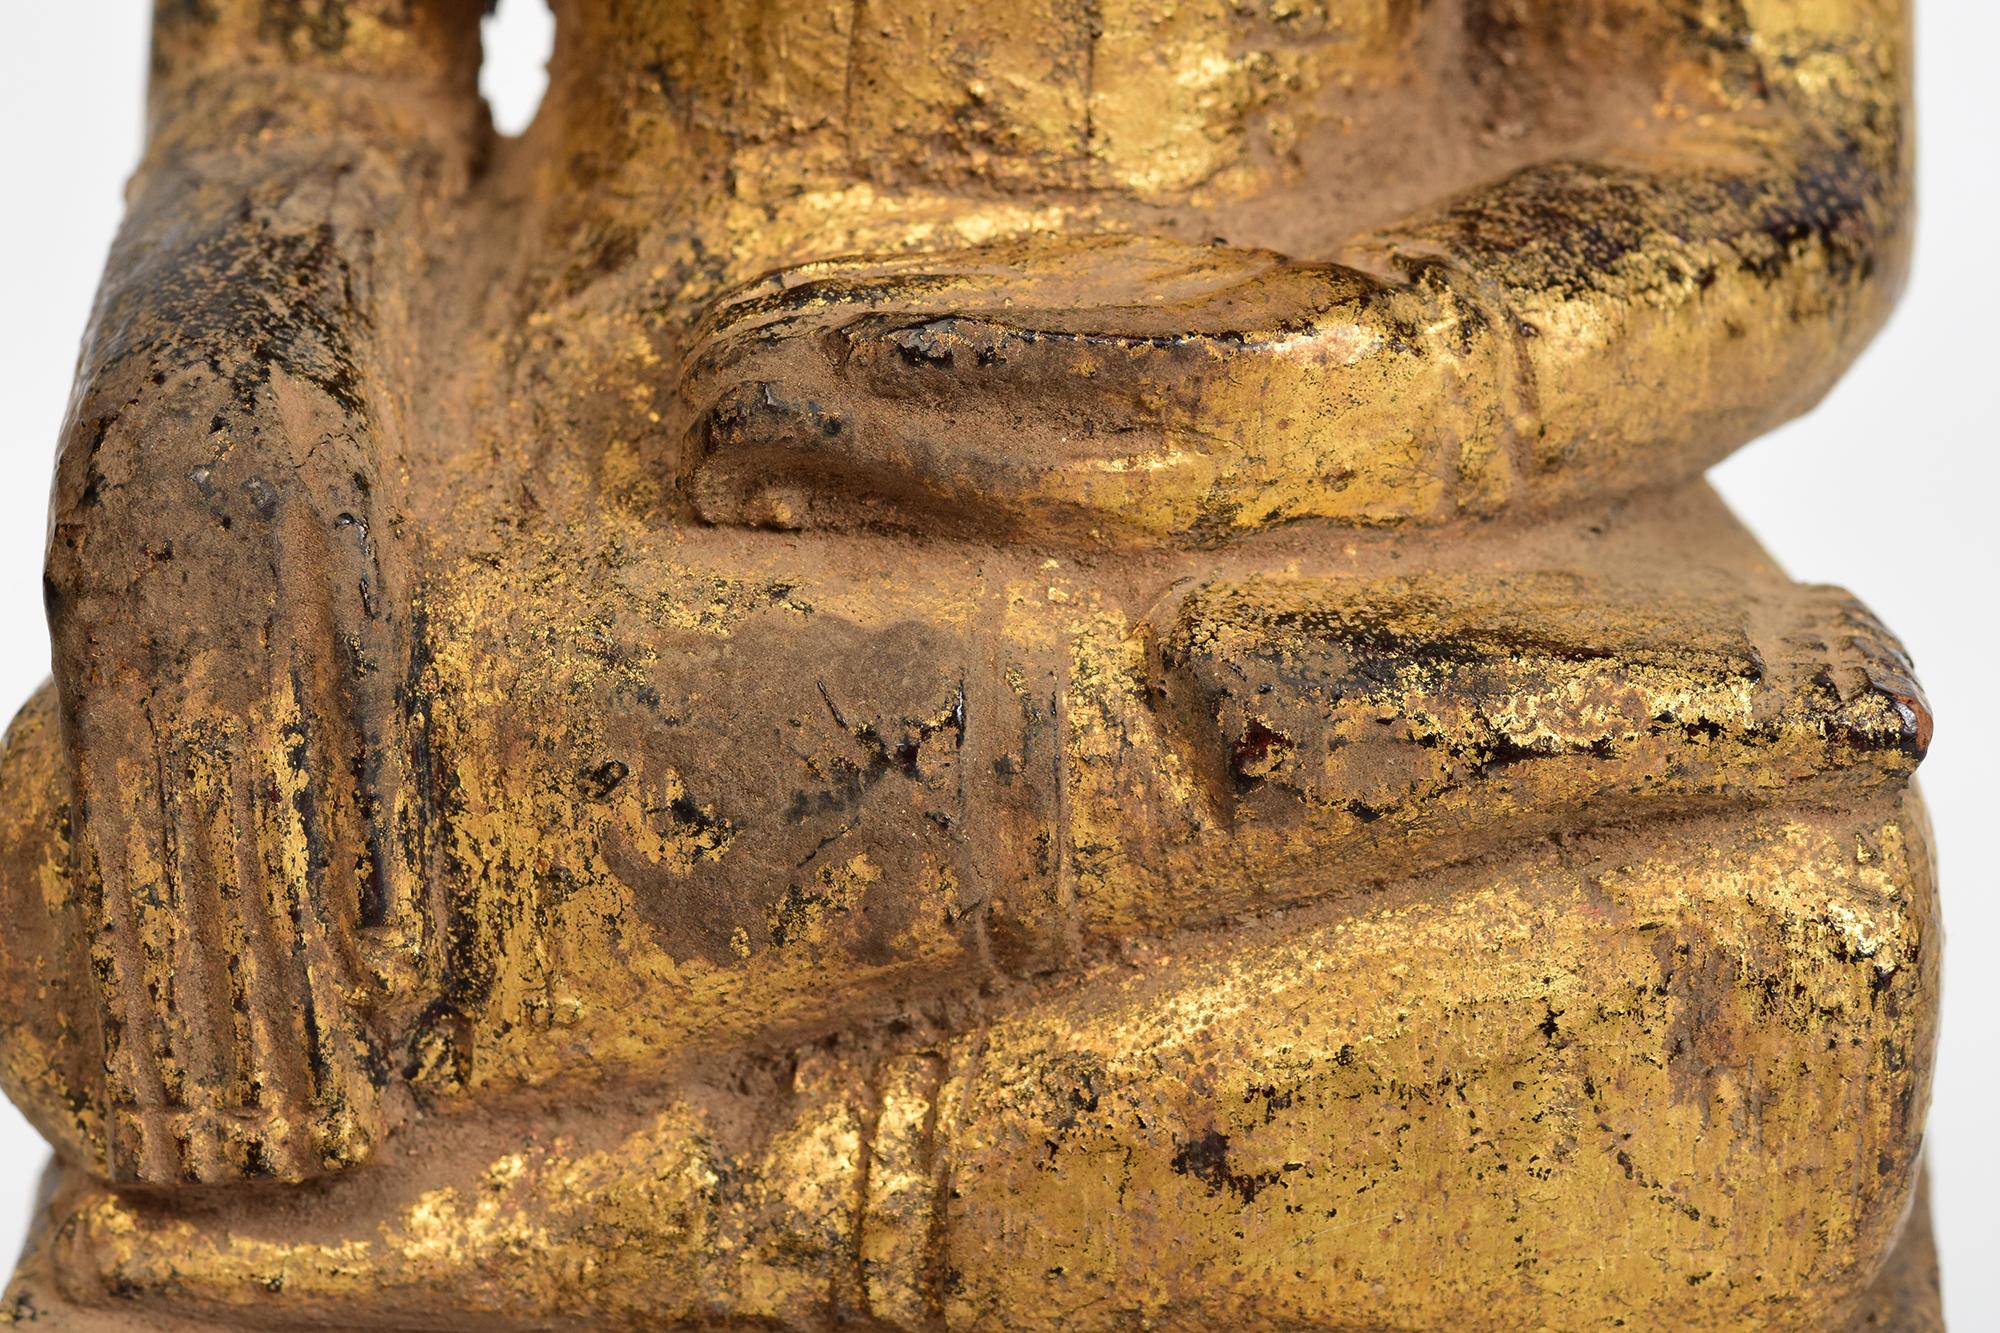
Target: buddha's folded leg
(776,796)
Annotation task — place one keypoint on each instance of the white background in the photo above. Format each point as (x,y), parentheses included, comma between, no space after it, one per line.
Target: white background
(1891,488)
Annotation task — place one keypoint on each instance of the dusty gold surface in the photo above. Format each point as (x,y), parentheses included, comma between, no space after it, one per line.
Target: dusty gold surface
(1055,666)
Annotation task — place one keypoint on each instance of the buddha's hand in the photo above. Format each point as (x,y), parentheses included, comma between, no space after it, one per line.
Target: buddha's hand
(228,587)
(1620,314)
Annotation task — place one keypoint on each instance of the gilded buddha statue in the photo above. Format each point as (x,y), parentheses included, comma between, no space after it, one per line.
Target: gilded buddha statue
(1053,665)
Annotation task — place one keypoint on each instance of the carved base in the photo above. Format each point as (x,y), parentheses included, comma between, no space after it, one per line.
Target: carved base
(1904,1299)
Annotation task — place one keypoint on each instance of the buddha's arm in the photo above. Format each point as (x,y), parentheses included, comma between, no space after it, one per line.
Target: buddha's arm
(1613,318)
(228,581)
